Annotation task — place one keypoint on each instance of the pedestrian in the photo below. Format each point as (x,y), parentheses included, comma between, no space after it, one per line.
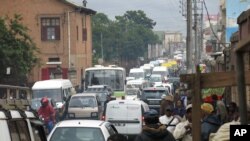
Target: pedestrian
(66,108)
(169,120)
(153,130)
(179,109)
(117,137)
(183,130)
(165,102)
(210,122)
(233,112)
(219,108)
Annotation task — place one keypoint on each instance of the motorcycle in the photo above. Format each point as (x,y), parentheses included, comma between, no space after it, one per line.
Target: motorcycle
(48,126)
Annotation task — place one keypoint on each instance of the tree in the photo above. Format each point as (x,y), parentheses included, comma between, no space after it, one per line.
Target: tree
(137,17)
(17,51)
(124,39)
(100,25)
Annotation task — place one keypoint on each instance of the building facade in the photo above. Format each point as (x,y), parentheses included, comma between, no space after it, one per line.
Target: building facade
(61,31)
(173,41)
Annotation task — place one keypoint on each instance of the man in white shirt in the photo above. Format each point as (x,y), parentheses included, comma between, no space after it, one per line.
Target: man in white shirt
(169,120)
(183,130)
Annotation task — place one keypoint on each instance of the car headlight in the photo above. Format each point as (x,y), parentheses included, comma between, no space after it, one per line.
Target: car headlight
(94,114)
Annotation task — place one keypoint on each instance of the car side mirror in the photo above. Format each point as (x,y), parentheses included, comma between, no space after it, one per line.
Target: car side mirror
(64,98)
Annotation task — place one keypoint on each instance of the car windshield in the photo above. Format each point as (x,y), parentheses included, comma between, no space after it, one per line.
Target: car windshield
(136,75)
(36,103)
(77,134)
(82,101)
(154,94)
(132,92)
(55,94)
(155,79)
(162,73)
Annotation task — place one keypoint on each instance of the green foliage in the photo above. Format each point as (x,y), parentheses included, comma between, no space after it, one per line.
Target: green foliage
(17,50)
(125,38)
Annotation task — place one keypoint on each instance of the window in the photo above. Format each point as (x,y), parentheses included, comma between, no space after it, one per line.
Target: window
(38,130)
(84,29)
(77,33)
(77,133)
(111,129)
(50,29)
(84,34)
(54,59)
(19,130)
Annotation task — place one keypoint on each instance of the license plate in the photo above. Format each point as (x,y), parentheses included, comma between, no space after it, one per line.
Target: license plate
(155,102)
(119,124)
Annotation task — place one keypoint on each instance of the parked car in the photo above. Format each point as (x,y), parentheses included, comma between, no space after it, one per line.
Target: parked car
(82,130)
(85,105)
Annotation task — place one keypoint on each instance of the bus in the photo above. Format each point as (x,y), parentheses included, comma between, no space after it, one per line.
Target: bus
(112,76)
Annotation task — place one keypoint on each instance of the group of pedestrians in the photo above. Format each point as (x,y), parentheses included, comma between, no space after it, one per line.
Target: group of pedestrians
(174,122)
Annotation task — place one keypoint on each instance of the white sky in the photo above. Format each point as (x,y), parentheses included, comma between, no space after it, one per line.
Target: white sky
(164,12)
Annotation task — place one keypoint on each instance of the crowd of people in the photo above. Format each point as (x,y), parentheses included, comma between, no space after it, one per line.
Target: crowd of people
(174,122)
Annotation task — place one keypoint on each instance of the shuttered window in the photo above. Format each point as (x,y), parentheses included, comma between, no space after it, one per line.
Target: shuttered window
(84,34)
(50,29)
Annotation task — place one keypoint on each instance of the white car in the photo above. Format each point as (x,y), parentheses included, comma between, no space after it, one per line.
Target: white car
(82,130)
(85,106)
(156,79)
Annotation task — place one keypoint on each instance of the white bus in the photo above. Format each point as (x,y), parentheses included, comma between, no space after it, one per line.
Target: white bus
(112,75)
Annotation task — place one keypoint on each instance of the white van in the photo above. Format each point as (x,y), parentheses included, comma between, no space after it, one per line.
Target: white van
(163,71)
(57,89)
(137,73)
(126,115)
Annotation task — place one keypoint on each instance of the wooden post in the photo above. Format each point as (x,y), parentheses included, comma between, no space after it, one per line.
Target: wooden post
(196,106)
(241,87)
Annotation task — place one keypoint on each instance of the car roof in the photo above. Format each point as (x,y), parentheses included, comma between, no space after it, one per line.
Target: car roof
(99,86)
(136,81)
(84,94)
(80,123)
(155,88)
(51,84)
(126,101)
(155,75)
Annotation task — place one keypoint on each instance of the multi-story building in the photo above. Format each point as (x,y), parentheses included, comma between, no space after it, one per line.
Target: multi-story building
(62,32)
(172,42)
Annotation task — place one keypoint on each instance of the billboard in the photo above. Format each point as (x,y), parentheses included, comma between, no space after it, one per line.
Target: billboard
(233,9)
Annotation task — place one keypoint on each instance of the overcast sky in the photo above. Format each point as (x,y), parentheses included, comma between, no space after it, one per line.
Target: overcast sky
(164,12)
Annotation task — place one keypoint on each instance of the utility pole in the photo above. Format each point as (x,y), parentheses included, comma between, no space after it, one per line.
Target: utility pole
(195,34)
(201,32)
(102,49)
(189,34)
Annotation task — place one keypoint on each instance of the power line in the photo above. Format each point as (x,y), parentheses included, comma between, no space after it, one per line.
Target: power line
(211,25)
